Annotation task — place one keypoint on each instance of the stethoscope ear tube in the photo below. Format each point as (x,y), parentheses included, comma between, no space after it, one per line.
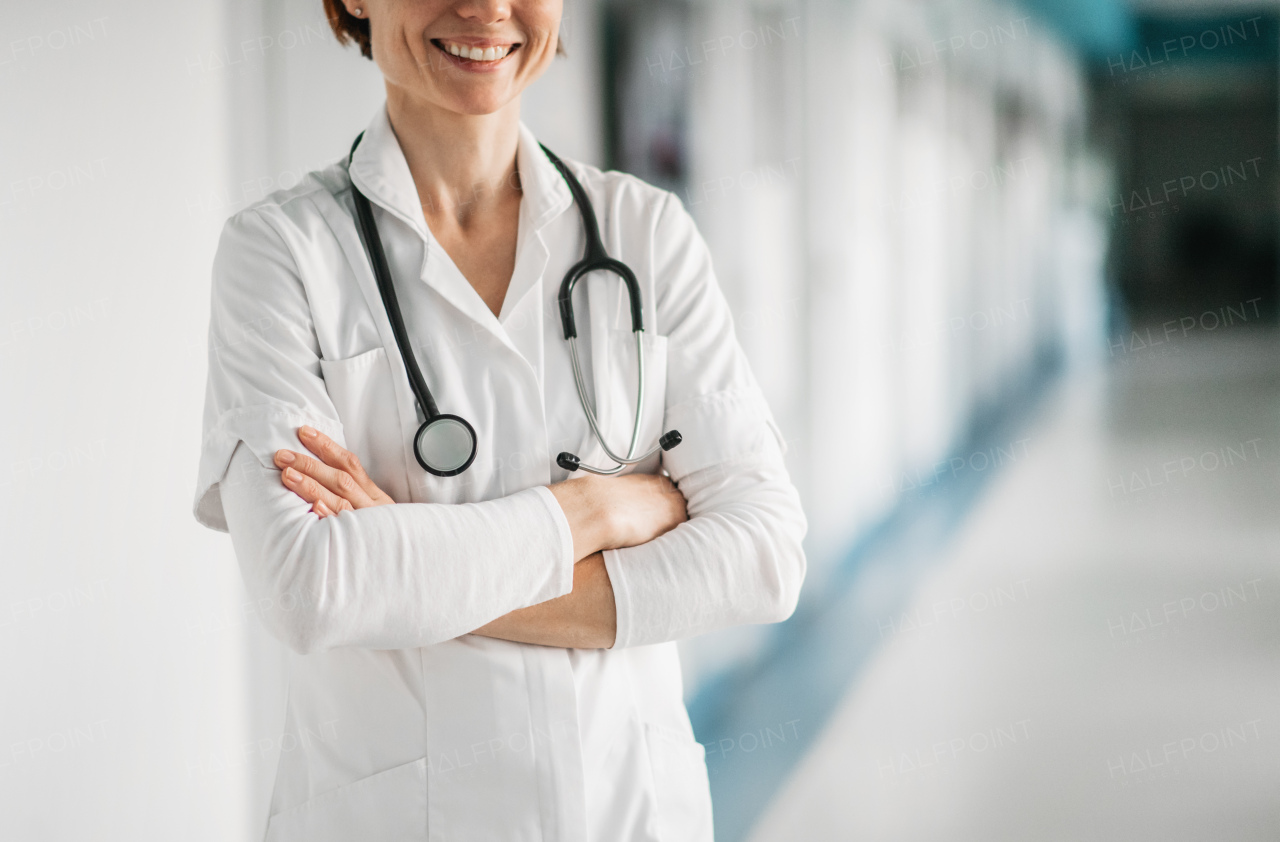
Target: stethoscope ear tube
(597,259)
(598,264)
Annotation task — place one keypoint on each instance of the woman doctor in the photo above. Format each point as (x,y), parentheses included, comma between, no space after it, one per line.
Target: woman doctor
(490,655)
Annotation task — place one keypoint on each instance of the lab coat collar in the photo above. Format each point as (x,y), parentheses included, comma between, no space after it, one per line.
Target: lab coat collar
(381,172)
(545,190)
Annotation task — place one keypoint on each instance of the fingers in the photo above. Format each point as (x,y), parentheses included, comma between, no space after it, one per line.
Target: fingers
(653,505)
(339,482)
(313,492)
(336,456)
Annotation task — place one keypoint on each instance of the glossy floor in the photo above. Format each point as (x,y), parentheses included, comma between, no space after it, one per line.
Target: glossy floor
(1098,656)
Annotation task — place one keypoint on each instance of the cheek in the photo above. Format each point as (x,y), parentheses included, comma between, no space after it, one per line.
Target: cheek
(400,49)
(542,54)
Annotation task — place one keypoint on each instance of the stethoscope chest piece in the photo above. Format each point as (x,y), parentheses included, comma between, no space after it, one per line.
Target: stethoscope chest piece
(445,445)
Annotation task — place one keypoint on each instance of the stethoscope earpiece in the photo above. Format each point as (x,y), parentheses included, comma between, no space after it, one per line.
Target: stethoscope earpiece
(571,463)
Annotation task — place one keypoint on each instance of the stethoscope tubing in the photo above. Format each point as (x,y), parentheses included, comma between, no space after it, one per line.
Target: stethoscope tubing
(580,382)
(390,303)
(595,259)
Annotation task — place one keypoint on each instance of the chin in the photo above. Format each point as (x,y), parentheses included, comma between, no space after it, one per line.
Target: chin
(476,106)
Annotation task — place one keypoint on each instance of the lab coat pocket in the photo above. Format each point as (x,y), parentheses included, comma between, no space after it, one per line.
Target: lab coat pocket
(680,784)
(363,392)
(390,806)
(618,410)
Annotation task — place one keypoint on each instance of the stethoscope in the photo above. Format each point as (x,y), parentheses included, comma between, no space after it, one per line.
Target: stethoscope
(445,445)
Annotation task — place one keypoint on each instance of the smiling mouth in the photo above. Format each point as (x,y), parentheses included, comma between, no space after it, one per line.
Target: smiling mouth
(478,55)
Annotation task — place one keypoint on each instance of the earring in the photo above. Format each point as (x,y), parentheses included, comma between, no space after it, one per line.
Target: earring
(358,12)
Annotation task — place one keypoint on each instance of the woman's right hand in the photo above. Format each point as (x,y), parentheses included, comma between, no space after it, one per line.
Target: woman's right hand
(607,513)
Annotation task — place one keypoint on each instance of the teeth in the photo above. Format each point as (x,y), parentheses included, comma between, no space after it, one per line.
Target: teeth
(475,53)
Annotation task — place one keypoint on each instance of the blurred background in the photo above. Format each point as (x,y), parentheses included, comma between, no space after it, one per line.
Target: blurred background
(1007,273)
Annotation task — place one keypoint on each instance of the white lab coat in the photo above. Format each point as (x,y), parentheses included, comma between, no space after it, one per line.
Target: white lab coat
(403,725)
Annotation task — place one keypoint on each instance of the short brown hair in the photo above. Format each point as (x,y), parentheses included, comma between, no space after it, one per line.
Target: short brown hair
(347,27)
(350,29)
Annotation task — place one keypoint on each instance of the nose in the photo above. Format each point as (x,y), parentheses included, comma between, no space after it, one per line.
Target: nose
(485,12)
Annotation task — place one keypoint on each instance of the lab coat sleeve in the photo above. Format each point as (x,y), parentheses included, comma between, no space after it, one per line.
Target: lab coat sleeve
(387,577)
(739,558)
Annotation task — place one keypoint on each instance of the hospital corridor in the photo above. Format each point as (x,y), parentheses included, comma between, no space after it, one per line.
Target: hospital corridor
(1092,656)
(950,330)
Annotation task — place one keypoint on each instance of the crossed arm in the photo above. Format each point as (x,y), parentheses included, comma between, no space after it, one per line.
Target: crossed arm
(602,512)
(365,579)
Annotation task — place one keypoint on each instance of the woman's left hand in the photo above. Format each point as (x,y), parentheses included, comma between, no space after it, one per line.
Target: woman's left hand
(334,482)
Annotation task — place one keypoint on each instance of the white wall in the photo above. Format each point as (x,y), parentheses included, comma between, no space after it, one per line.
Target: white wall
(141,699)
(122,714)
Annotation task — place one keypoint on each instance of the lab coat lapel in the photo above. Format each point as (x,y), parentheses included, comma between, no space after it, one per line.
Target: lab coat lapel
(546,196)
(529,309)
(381,172)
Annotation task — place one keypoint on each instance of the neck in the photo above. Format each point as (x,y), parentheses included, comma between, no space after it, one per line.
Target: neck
(463,165)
